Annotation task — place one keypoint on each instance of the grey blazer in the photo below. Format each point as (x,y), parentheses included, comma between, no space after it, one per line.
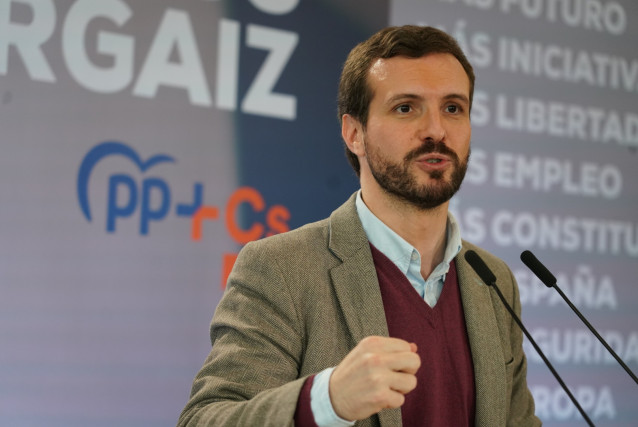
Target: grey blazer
(298,302)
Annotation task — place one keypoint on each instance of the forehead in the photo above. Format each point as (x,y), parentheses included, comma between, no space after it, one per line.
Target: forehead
(437,73)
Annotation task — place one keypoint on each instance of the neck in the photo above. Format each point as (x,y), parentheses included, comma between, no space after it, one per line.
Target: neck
(423,229)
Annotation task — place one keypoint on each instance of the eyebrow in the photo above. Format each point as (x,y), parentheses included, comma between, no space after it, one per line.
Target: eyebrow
(458,97)
(452,96)
(401,96)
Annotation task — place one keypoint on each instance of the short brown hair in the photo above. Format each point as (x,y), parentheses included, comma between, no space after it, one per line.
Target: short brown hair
(410,41)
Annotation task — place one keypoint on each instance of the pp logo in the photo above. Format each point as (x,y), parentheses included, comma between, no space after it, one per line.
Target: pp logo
(136,196)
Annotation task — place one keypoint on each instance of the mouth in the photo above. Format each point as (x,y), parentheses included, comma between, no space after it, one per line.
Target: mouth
(433,158)
(433,161)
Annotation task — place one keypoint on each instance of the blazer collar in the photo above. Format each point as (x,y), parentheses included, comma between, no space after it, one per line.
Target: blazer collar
(355,279)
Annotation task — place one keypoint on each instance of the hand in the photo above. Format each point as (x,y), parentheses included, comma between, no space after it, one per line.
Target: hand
(375,375)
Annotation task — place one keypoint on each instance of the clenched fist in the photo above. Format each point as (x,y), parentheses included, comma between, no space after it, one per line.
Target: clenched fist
(375,375)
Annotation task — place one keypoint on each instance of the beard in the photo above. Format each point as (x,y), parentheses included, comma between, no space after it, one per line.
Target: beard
(397,180)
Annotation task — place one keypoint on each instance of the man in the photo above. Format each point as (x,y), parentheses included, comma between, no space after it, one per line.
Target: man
(372,315)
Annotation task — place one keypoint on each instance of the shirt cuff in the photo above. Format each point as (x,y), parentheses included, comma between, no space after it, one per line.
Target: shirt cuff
(320,403)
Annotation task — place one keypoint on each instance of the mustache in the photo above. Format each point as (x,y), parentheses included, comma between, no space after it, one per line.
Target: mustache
(432,147)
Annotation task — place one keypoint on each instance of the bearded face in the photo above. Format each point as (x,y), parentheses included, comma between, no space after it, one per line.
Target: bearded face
(415,143)
(401,179)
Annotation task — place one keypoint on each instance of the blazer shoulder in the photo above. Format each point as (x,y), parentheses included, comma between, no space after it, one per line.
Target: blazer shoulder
(308,236)
(341,234)
(290,255)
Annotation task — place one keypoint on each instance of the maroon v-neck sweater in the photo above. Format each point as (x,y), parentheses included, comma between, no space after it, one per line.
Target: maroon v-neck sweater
(444,395)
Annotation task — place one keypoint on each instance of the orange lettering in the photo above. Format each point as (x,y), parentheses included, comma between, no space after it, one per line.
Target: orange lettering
(244,195)
(277,219)
(204,212)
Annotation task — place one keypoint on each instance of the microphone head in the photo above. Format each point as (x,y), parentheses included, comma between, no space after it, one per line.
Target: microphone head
(538,269)
(479,266)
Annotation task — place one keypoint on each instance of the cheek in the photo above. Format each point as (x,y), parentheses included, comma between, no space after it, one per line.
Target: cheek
(460,140)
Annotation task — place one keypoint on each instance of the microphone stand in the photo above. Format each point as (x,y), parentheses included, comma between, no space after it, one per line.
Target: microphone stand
(549,280)
(489,279)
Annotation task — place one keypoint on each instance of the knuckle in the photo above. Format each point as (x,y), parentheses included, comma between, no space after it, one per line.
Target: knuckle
(372,360)
(370,341)
(412,382)
(379,398)
(417,359)
(377,382)
(414,362)
(396,400)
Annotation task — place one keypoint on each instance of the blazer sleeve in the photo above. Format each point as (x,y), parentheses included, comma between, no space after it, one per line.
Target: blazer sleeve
(251,376)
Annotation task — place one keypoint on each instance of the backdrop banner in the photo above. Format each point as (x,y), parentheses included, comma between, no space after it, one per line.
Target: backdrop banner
(144,143)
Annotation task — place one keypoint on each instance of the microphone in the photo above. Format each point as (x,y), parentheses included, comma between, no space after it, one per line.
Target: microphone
(489,278)
(549,280)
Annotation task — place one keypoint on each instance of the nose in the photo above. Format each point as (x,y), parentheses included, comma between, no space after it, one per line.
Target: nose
(432,128)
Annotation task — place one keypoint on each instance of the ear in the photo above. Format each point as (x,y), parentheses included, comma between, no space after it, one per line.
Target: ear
(352,134)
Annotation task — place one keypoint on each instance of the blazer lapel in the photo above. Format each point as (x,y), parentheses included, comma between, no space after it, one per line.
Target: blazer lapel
(356,285)
(485,344)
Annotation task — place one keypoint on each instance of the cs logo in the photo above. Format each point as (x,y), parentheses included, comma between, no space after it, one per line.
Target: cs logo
(136,196)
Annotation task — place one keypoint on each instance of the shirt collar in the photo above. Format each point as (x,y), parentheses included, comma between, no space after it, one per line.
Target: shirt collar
(393,246)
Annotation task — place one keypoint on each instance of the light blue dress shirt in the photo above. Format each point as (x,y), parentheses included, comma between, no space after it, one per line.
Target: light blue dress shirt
(408,260)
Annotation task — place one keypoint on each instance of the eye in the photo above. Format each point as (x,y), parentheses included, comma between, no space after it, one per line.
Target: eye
(456,108)
(403,108)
